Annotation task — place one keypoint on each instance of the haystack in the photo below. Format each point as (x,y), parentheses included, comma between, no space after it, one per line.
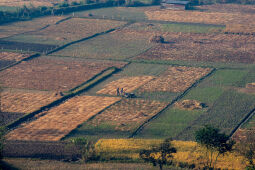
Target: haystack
(190,104)
(250,86)
(157,39)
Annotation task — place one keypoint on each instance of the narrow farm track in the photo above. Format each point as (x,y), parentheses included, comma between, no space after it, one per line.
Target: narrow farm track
(140,128)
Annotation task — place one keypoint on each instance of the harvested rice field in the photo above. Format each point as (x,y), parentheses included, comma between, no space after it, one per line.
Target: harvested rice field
(25,101)
(67,31)
(48,73)
(176,79)
(204,47)
(219,18)
(8,58)
(36,3)
(128,114)
(21,27)
(128,84)
(61,120)
(119,44)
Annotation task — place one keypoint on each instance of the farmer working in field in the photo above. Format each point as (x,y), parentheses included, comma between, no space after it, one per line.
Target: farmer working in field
(118,91)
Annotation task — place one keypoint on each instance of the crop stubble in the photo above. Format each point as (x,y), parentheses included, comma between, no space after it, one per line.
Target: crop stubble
(128,84)
(175,79)
(129,113)
(52,74)
(204,47)
(12,56)
(61,120)
(25,102)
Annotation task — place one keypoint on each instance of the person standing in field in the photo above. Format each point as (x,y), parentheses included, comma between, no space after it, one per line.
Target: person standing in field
(118,91)
(122,91)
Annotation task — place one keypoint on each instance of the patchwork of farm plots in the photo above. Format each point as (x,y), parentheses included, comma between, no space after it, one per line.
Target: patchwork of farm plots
(236,22)
(120,44)
(61,120)
(45,73)
(67,31)
(27,26)
(204,47)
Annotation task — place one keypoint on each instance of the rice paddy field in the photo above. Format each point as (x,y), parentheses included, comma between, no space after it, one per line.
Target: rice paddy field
(162,57)
(67,31)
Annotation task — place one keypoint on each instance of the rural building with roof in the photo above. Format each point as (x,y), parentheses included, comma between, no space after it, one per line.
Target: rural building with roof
(175,4)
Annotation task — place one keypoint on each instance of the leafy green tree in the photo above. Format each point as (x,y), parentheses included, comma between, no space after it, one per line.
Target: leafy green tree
(159,155)
(215,144)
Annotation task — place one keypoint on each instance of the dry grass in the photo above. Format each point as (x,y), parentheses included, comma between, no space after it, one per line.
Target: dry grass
(128,84)
(228,8)
(46,73)
(76,28)
(129,113)
(25,101)
(176,79)
(25,2)
(189,104)
(61,120)
(26,26)
(234,19)
(204,47)
(12,56)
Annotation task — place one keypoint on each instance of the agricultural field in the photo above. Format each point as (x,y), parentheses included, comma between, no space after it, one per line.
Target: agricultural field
(8,58)
(57,122)
(48,73)
(223,48)
(22,101)
(35,3)
(21,27)
(119,120)
(128,84)
(235,22)
(67,31)
(119,44)
(176,79)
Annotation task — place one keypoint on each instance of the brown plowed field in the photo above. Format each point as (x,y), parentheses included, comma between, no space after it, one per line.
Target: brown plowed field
(46,73)
(129,113)
(175,79)
(25,102)
(61,120)
(128,84)
(204,47)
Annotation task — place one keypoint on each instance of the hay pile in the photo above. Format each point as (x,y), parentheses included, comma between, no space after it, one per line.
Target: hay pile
(190,104)
(250,85)
(157,39)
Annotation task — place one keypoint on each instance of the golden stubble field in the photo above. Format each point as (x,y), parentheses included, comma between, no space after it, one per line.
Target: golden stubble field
(176,79)
(128,84)
(129,113)
(25,101)
(45,73)
(61,120)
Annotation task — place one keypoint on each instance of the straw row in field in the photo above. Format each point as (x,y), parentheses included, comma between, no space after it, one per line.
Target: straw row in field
(12,56)
(128,84)
(129,113)
(46,73)
(176,79)
(204,47)
(61,120)
(25,102)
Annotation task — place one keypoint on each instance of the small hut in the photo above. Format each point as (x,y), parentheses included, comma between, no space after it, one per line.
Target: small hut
(175,4)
